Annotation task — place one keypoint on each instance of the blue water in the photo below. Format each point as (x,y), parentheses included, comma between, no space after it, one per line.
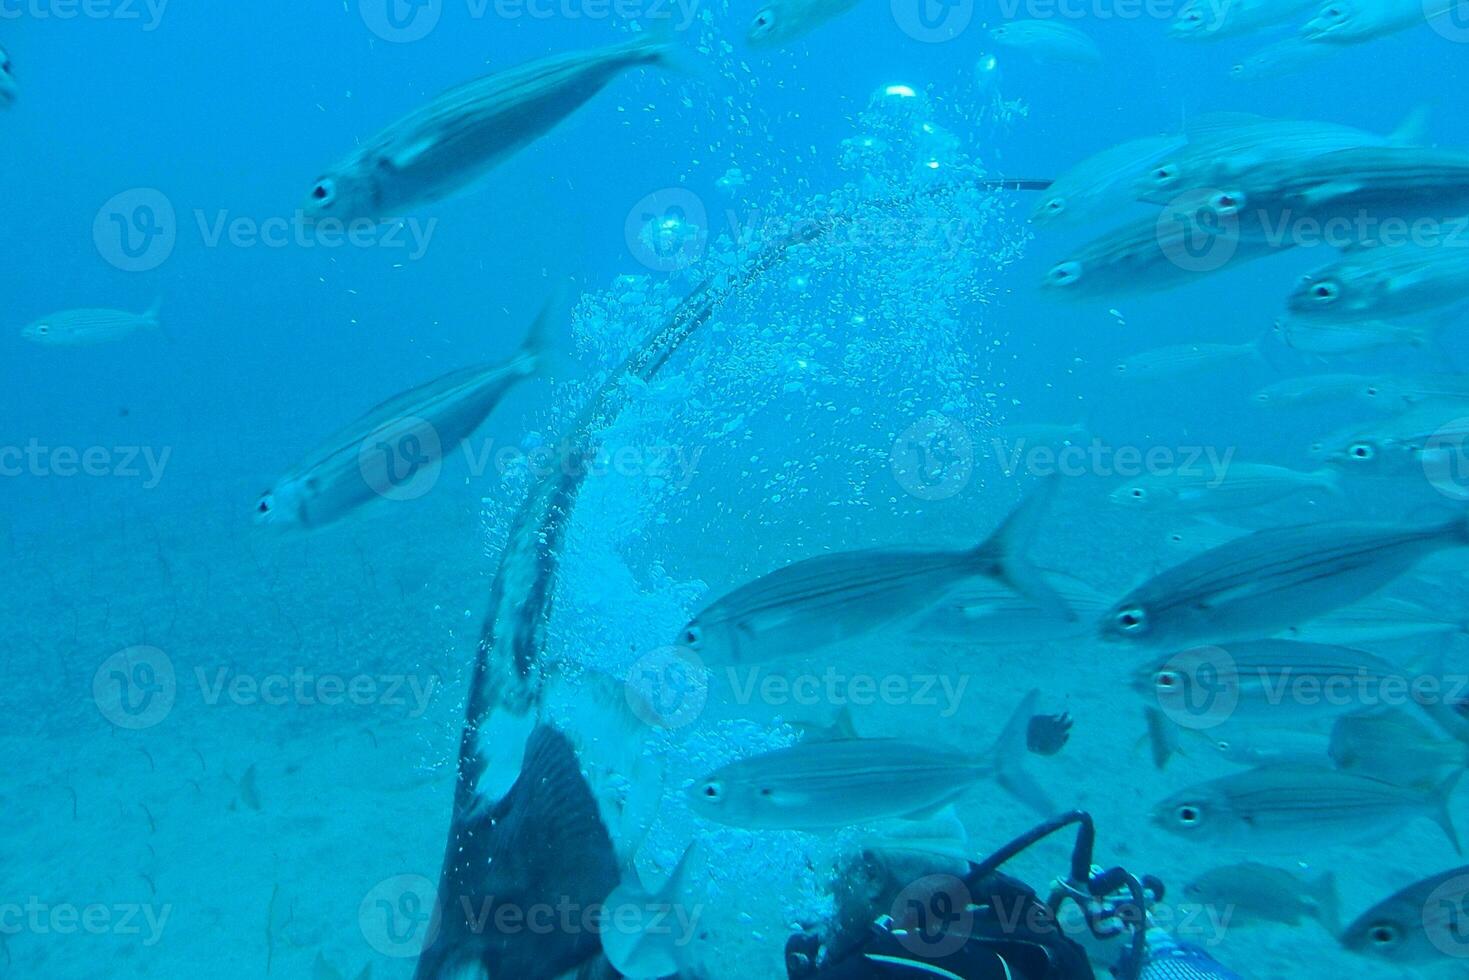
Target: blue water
(262,824)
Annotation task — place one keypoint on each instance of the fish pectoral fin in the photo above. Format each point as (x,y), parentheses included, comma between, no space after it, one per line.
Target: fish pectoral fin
(407,156)
(1330,191)
(934,809)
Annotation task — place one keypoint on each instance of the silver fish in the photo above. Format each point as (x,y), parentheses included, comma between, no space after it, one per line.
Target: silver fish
(1212,20)
(1328,338)
(1091,188)
(823,785)
(84,328)
(1376,619)
(1289,807)
(812,604)
(1167,362)
(1048,41)
(1314,389)
(1281,58)
(781,21)
(456,139)
(1343,22)
(1398,391)
(395,450)
(1422,923)
(9,88)
(1257,892)
(1234,486)
(1269,580)
(1403,443)
(1384,282)
(1394,746)
(987,613)
(1222,147)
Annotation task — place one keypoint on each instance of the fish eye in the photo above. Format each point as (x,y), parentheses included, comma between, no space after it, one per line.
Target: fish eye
(1138,493)
(1189,815)
(712,792)
(1165,174)
(266,505)
(1166,680)
(44,328)
(1227,203)
(1056,205)
(1384,934)
(325,192)
(1362,451)
(1325,292)
(763,23)
(693,636)
(1371,391)
(1132,620)
(1065,274)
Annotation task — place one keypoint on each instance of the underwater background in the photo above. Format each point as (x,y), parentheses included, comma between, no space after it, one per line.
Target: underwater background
(249,822)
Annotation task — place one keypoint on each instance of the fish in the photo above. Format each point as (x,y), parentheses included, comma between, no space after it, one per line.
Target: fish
(545,846)
(1201,537)
(1397,392)
(1393,745)
(9,87)
(1256,892)
(846,782)
(810,605)
(1312,389)
(85,328)
(1419,924)
(1230,487)
(1146,256)
(1266,581)
(645,932)
(1212,20)
(985,612)
(1326,338)
(394,450)
(1292,807)
(1049,42)
(1267,683)
(1223,147)
(1091,188)
(1384,282)
(1238,743)
(1284,57)
(447,145)
(1172,361)
(1376,619)
(1343,22)
(782,21)
(1426,433)
(1045,434)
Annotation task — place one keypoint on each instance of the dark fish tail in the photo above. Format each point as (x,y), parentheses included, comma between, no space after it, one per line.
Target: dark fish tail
(1008,757)
(1003,554)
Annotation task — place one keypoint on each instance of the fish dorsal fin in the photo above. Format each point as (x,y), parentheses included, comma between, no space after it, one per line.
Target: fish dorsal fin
(1214,125)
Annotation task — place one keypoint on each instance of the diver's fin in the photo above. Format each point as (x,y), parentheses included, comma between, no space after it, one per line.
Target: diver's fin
(1009,754)
(1003,553)
(1323,892)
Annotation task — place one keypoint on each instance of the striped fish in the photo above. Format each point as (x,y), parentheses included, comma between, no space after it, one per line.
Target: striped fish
(1267,581)
(1384,282)
(396,450)
(1288,807)
(1049,42)
(450,143)
(1423,924)
(84,328)
(1097,185)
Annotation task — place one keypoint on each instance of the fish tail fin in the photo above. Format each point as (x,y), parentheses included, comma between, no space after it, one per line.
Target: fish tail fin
(539,348)
(659,46)
(1008,757)
(1330,481)
(1003,553)
(153,317)
(1413,130)
(1328,903)
(1161,738)
(1440,809)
